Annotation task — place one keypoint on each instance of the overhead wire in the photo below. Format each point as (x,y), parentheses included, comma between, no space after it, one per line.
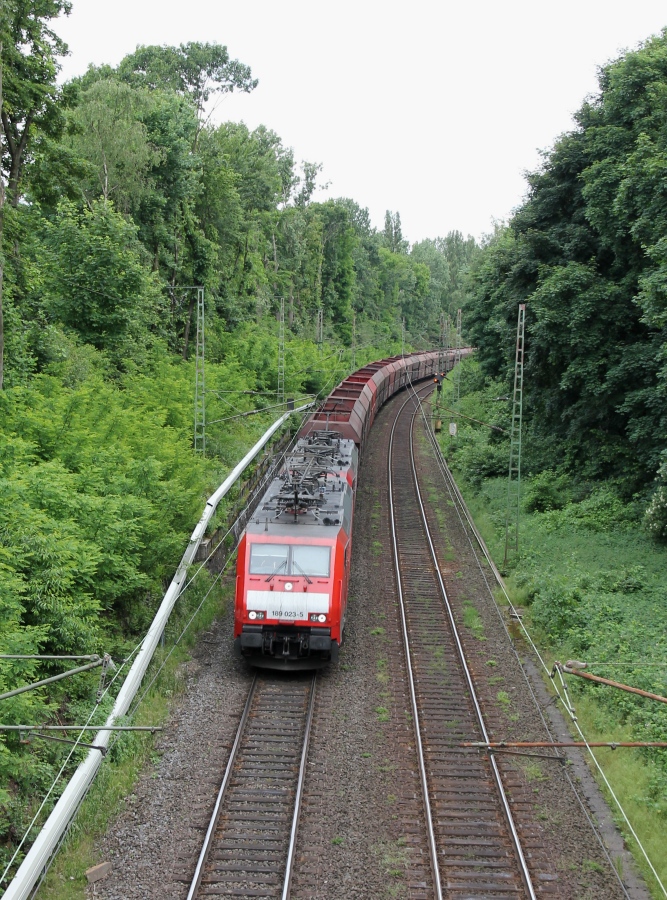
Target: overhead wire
(57,778)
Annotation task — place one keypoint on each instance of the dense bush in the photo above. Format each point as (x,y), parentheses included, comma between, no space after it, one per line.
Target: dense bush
(545,491)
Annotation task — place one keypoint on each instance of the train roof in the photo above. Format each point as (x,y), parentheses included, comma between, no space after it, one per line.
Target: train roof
(310,494)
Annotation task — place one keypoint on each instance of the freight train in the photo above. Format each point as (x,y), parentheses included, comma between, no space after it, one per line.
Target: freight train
(293,564)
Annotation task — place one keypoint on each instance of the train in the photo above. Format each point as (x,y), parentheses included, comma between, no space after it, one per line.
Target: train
(293,562)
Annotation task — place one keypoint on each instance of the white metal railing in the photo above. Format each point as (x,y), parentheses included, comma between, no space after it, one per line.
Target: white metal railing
(47,840)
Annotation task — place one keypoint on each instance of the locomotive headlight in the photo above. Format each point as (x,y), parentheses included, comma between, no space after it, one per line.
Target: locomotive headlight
(321,618)
(256,614)
(288,586)
(252,614)
(317,617)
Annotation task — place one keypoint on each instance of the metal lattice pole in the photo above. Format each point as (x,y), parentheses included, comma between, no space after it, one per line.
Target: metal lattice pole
(320,328)
(514,474)
(441,345)
(200,379)
(354,341)
(281,353)
(402,337)
(457,357)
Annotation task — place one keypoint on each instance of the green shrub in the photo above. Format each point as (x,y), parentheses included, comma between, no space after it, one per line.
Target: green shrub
(546,491)
(602,511)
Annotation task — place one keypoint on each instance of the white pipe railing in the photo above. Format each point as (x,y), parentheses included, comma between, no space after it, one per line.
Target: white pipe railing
(65,809)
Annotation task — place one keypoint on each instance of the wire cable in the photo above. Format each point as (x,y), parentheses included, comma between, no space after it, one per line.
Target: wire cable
(64,765)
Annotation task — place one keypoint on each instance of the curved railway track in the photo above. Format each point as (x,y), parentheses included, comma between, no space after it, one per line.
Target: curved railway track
(474,843)
(248,850)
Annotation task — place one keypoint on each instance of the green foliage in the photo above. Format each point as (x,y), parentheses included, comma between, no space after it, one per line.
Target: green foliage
(194,69)
(477,451)
(546,491)
(587,251)
(602,511)
(30,97)
(449,260)
(94,280)
(108,132)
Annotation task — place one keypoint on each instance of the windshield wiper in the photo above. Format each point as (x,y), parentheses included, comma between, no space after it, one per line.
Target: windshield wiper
(296,564)
(275,571)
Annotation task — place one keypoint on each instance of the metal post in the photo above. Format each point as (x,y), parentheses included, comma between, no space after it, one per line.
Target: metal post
(441,344)
(457,357)
(200,379)
(514,483)
(402,337)
(320,328)
(281,353)
(354,341)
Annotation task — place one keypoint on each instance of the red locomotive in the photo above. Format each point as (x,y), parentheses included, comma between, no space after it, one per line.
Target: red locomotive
(293,563)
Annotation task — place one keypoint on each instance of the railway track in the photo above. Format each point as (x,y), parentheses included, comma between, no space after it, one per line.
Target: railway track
(474,843)
(249,846)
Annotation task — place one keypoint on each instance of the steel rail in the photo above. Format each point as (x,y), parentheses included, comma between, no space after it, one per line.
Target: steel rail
(525,874)
(299,792)
(209,839)
(210,832)
(433,850)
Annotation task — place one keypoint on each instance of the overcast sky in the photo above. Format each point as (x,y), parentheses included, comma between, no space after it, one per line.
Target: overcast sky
(434,110)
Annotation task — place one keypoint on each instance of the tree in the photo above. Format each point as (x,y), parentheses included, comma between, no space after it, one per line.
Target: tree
(28,97)
(198,71)
(109,134)
(338,276)
(393,234)
(95,282)
(449,260)
(587,252)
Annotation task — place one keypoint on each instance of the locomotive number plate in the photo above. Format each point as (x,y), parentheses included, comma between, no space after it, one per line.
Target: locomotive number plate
(288,614)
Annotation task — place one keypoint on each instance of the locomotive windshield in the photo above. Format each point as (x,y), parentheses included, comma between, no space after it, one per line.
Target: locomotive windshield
(310,560)
(289,559)
(268,559)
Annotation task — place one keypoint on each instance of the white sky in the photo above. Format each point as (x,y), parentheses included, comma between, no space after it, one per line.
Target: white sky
(431,109)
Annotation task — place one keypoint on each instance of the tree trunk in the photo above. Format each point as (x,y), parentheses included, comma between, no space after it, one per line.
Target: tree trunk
(16,146)
(188,320)
(2,213)
(275,264)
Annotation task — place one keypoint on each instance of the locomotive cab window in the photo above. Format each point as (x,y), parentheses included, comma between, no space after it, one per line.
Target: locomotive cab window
(289,559)
(268,559)
(310,560)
